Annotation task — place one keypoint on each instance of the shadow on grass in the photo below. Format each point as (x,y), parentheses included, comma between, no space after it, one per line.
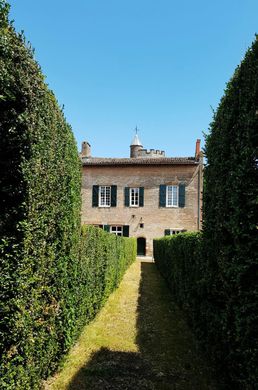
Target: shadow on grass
(167,358)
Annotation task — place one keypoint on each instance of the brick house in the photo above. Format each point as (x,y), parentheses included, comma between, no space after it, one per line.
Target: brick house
(145,196)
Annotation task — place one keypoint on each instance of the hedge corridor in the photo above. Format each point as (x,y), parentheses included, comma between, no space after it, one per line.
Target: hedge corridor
(54,275)
(214,276)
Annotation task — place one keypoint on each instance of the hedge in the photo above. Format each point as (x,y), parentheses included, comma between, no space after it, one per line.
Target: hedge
(49,270)
(104,258)
(215,278)
(179,259)
(231,222)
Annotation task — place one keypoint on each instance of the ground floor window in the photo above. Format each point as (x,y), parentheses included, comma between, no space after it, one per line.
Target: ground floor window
(171,232)
(117,230)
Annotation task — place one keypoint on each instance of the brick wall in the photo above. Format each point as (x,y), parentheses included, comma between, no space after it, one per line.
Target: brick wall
(154,218)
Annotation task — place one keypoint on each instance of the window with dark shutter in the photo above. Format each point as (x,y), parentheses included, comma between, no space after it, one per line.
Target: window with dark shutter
(181,202)
(106,228)
(95,196)
(141,202)
(113,196)
(126,230)
(167,232)
(127,192)
(162,196)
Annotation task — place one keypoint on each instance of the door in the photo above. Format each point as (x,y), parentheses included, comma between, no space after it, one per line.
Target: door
(141,246)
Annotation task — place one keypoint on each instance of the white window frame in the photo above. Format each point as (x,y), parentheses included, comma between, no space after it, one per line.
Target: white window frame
(171,198)
(104,196)
(117,230)
(134,196)
(174,231)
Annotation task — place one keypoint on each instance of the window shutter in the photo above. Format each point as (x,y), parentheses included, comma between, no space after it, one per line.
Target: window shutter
(181,200)
(126,230)
(113,196)
(162,196)
(141,197)
(127,192)
(167,232)
(95,196)
(106,228)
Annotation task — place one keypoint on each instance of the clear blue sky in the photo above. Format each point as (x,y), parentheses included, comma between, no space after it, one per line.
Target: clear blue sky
(160,65)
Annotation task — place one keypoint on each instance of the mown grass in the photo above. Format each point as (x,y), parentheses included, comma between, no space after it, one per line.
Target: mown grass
(139,340)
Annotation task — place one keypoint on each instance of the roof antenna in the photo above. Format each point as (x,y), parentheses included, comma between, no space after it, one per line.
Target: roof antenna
(136,130)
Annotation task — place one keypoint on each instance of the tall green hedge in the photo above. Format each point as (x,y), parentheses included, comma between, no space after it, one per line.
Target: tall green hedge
(215,277)
(231,222)
(103,260)
(40,185)
(53,277)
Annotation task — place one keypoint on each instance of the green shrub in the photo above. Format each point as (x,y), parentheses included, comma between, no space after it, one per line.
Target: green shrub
(40,184)
(179,260)
(104,259)
(231,221)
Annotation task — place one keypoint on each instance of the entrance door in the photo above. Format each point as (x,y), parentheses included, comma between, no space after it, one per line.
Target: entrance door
(141,246)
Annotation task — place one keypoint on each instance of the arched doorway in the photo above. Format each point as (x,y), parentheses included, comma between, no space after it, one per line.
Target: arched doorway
(141,246)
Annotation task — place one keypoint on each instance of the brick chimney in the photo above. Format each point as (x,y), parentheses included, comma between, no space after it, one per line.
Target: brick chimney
(86,150)
(197,149)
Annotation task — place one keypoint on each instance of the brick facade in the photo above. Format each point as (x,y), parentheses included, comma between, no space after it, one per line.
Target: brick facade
(151,220)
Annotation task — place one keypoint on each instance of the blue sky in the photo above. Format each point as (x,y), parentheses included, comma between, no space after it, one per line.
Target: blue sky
(160,65)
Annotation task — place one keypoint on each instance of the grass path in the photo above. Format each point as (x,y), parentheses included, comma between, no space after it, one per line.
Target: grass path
(139,340)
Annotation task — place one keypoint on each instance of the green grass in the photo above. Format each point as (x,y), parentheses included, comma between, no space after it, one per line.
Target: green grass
(139,340)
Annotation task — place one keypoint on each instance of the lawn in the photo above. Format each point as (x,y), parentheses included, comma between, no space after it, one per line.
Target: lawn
(139,340)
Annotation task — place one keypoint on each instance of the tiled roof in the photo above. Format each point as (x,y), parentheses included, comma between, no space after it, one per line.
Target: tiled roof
(139,161)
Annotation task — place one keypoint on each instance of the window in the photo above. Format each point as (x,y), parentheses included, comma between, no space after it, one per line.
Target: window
(171,232)
(104,196)
(172,196)
(134,197)
(117,230)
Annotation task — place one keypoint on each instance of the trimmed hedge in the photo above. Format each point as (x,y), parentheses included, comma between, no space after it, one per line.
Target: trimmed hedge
(53,278)
(180,261)
(231,222)
(40,184)
(104,258)
(215,278)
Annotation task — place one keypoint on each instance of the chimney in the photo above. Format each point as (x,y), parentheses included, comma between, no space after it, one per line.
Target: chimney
(86,151)
(197,149)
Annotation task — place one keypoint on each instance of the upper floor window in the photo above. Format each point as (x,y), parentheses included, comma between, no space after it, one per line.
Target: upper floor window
(172,196)
(134,197)
(104,196)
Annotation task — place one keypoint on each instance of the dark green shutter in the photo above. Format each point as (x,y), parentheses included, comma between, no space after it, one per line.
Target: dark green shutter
(167,232)
(95,196)
(162,196)
(126,230)
(127,192)
(106,228)
(141,199)
(181,202)
(113,196)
